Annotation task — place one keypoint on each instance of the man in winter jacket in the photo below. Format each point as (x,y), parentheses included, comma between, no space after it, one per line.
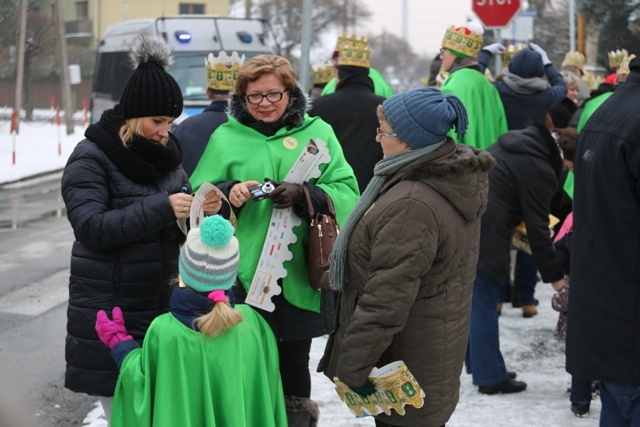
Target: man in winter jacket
(603,335)
(194,132)
(513,197)
(351,112)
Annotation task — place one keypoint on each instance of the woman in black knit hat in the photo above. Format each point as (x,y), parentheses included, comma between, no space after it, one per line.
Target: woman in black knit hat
(124,189)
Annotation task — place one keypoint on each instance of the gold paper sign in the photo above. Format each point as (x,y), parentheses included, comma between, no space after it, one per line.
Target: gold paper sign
(395,388)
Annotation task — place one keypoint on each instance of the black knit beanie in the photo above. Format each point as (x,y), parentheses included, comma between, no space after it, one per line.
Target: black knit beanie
(151,91)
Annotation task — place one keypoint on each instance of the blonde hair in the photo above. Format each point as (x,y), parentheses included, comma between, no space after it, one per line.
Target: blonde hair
(221,318)
(130,129)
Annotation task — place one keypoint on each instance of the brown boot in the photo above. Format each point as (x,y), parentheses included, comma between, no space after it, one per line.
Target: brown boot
(499,308)
(529,311)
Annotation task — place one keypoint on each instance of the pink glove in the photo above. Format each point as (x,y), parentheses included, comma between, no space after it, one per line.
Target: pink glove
(111,332)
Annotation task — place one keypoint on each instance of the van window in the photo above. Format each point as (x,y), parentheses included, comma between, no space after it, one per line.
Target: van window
(112,72)
(190,72)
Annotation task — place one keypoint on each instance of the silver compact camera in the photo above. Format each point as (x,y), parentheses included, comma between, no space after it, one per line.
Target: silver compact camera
(261,191)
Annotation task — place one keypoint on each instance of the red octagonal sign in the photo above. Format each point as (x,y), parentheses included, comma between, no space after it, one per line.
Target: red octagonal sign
(496,13)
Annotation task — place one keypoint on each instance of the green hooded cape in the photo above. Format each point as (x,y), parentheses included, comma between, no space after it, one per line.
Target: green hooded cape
(182,378)
(238,152)
(481,99)
(380,85)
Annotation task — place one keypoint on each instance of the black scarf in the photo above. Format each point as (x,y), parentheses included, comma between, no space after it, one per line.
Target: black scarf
(143,161)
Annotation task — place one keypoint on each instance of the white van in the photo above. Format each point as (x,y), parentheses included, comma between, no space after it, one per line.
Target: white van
(192,37)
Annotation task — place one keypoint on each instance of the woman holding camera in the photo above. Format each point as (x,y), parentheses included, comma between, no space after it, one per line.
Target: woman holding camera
(267,131)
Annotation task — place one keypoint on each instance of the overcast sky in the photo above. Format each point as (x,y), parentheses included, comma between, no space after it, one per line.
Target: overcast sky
(427,20)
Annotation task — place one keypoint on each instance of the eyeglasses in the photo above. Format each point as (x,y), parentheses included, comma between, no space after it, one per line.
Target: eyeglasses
(256,98)
(387,135)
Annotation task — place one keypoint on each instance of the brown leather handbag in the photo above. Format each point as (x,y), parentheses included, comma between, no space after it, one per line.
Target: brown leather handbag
(323,232)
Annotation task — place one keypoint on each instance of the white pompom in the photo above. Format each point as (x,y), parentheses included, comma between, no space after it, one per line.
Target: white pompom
(476,27)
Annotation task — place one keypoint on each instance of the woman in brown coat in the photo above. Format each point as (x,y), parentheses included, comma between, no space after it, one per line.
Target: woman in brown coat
(405,259)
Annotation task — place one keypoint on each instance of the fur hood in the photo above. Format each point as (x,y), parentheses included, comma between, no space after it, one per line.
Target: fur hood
(292,117)
(458,172)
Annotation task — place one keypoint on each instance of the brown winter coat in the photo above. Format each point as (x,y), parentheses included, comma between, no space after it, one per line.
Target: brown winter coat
(411,264)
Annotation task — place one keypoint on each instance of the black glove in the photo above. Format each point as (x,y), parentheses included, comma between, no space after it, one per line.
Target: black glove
(286,194)
(364,390)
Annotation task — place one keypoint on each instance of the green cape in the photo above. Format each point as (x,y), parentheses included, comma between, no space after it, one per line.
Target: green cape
(481,99)
(238,152)
(380,85)
(182,378)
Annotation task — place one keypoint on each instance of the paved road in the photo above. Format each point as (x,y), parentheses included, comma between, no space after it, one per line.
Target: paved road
(35,244)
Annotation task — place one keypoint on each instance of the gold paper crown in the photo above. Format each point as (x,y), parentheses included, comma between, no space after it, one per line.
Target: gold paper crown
(573,59)
(462,40)
(616,57)
(624,64)
(322,73)
(353,51)
(222,72)
(592,80)
(510,51)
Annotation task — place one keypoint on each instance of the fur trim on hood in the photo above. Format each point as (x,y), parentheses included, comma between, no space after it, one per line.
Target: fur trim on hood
(292,117)
(476,160)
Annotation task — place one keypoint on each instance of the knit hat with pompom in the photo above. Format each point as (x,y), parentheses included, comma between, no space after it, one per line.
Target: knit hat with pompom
(150,91)
(424,116)
(209,257)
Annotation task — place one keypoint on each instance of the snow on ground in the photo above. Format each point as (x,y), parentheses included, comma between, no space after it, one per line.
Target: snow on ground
(529,345)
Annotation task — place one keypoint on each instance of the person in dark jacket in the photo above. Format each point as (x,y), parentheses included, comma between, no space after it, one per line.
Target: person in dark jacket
(526,95)
(351,112)
(603,339)
(529,163)
(405,259)
(124,189)
(527,98)
(194,132)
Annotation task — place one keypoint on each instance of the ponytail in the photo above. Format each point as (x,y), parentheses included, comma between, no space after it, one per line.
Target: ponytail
(218,320)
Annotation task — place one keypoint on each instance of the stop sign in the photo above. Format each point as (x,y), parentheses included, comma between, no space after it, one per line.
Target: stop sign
(495,13)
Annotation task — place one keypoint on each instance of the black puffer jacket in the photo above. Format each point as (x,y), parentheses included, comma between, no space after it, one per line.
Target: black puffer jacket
(521,186)
(125,253)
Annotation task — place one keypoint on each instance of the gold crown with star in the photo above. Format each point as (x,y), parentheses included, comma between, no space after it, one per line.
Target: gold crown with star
(624,64)
(353,51)
(616,57)
(574,59)
(222,72)
(510,51)
(463,41)
(322,73)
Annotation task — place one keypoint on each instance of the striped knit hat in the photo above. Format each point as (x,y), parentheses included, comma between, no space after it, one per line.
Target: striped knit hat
(209,258)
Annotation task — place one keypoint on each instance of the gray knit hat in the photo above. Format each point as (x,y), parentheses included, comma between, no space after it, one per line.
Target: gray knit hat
(151,91)
(209,257)
(422,117)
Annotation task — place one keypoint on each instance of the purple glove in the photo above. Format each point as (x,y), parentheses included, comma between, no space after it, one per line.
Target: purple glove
(560,300)
(111,332)
(286,194)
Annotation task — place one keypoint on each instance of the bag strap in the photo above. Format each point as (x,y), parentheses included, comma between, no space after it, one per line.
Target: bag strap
(312,211)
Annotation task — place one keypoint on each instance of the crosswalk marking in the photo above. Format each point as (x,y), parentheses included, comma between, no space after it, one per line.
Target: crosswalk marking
(38,297)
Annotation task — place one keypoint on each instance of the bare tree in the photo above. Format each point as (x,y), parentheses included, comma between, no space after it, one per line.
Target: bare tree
(285,17)
(396,61)
(40,60)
